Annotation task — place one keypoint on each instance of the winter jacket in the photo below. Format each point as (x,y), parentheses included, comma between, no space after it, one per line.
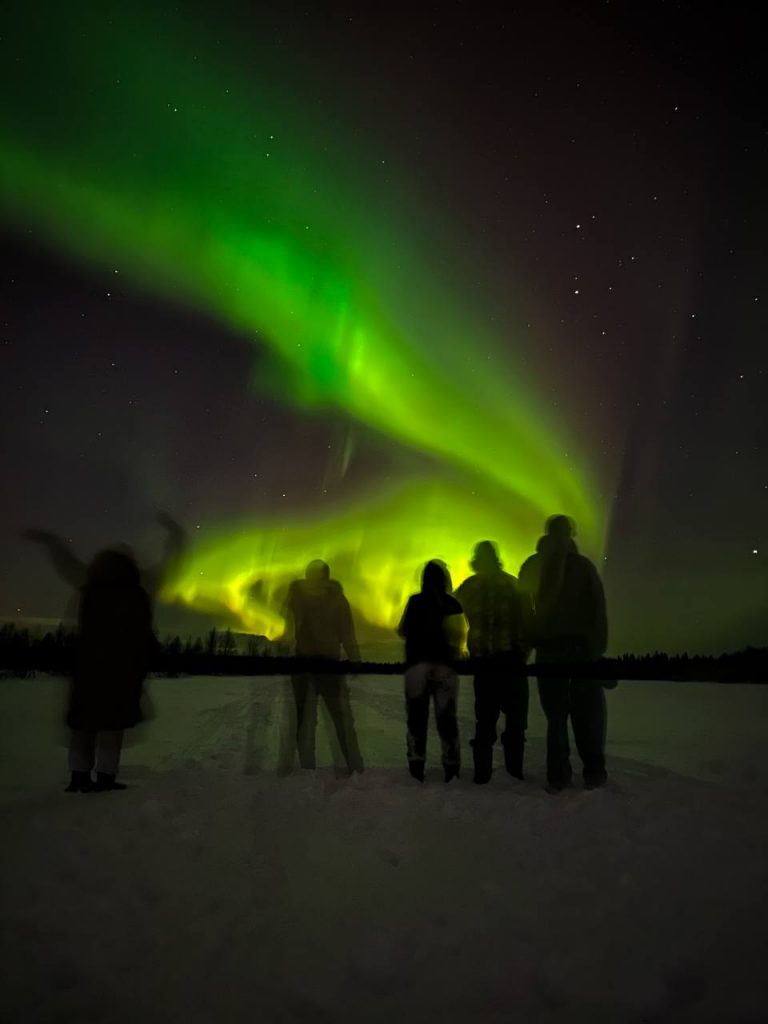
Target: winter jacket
(491,603)
(113,653)
(322,620)
(563,599)
(425,628)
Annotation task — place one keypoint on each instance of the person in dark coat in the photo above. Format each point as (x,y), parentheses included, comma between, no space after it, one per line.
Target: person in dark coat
(491,603)
(320,618)
(433,627)
(114,647)
(565,616)
(113,652)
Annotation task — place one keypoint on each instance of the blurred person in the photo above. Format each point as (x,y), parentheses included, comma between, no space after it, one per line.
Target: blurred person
(319,618)
(112,657)
(565,620)
(434,628)
(114,649)
(492,606)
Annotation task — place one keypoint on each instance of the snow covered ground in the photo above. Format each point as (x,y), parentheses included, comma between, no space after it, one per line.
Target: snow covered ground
(215,890)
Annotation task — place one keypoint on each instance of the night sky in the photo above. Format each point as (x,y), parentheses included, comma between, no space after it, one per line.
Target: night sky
(374,284)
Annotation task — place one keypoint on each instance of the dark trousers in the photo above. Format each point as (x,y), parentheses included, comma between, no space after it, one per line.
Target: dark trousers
(498,690)
(583,700)
(440,683)
(308,689)
(99,750)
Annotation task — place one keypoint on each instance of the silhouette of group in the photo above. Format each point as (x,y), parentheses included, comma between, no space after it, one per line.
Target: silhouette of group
(556,608)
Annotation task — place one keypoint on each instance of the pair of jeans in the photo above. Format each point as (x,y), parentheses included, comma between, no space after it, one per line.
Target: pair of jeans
(425,682)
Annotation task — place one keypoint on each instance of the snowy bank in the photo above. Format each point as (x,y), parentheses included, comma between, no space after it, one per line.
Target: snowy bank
(214,890)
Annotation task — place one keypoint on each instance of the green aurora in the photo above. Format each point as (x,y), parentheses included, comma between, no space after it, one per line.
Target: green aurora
(136,151)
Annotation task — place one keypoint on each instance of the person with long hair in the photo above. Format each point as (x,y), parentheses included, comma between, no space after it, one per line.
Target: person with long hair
(433,627)
(114,647)
(565,616)
(113,653)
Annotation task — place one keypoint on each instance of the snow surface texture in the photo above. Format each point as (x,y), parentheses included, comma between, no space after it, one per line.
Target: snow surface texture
(214,890)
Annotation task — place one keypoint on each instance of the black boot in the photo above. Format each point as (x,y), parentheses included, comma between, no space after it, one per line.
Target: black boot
(80,782)
(556,784)
(451,771)
(483,756)
(595,779)
(105,781)
(416,768)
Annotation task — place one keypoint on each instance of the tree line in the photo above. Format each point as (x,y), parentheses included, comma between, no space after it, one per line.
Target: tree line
(24,651)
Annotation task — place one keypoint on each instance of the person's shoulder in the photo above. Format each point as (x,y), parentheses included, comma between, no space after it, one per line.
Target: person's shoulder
(584,562)
(529,563)
(470,583)
(508,580)
(452,606)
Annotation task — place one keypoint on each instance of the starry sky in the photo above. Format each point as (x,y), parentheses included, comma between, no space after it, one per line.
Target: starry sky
(373,284)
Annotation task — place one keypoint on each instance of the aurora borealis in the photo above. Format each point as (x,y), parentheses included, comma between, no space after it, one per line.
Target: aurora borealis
(239,179)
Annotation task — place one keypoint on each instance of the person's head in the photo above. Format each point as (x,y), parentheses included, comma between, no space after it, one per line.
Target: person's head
(561,527)
(486,557)
(113,567)
(435,578)
(317,572)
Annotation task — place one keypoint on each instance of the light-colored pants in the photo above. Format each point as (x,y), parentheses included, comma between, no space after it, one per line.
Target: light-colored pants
(439,682)
(99,750)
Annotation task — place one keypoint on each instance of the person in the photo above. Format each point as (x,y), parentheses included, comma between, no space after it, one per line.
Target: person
(114,648)
(565,620)
(320,618)
(433,627)
(492,607)
(113,653)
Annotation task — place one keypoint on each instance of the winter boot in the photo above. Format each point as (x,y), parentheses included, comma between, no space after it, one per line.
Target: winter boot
(595,779)
(558,784)
(553,788)
(483,763)
(451,771)
(416,768)
(80,782)
(105,781)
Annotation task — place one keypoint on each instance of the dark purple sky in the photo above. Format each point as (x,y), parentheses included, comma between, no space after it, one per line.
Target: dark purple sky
(617,150)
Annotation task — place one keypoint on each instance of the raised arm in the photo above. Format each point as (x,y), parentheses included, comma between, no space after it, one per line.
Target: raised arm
(64,560)
(174,545)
